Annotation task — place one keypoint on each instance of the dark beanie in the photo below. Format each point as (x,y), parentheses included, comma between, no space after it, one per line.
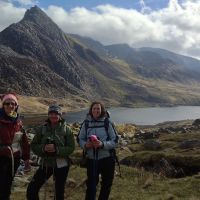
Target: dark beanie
(55,109)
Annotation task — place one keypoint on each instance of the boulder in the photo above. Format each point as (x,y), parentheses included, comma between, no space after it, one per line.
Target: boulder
(129,135)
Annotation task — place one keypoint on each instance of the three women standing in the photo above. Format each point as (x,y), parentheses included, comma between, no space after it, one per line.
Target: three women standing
(54,142)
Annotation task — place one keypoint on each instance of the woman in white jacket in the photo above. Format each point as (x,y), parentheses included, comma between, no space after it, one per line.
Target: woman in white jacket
(98,141)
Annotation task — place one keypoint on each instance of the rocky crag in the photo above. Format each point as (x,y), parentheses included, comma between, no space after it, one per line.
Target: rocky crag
(38,59)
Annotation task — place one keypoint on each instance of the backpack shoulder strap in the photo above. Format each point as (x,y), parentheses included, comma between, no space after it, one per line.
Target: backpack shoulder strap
(106,125)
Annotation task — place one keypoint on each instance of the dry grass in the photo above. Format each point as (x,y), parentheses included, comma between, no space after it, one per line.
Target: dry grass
(40,105)
(126,128)
(134,185)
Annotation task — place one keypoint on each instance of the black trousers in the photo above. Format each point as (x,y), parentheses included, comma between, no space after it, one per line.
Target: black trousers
(105,167)
(6,177)
(42,175)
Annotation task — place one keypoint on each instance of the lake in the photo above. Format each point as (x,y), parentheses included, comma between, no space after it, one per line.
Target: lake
(143,116)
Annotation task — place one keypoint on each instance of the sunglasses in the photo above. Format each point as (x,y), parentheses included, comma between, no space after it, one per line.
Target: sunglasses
(9,103)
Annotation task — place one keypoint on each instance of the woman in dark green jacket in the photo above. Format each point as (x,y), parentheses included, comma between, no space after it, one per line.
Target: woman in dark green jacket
(53,142)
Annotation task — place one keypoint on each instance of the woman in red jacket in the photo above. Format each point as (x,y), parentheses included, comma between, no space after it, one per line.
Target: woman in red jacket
(13,144)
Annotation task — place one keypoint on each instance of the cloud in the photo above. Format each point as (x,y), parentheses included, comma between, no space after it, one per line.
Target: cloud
(175,27)
(144,8)
(9,14)
(25,2)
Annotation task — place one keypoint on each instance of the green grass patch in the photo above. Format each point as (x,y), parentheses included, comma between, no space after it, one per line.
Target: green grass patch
(134,184)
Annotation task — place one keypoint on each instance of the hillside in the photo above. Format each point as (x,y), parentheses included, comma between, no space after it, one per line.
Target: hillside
(38,59)
(145,57)
(158,63)
(52,58)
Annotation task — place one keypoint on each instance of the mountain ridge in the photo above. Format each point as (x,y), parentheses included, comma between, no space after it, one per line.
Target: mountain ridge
(49,45)
(55,63)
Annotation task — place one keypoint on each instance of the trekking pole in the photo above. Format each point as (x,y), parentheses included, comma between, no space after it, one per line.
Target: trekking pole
(94,172)
(45,184)
(54,184)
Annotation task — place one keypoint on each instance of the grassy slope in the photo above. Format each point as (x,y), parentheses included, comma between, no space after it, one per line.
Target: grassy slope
(135,184)
(39,105)
(170,150)
(172,92)
(124,91)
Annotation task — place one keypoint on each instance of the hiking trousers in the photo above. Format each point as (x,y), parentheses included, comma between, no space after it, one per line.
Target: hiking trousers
(104,167)
(42,175)
(6,177)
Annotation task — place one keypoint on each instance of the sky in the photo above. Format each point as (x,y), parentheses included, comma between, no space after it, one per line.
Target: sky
(168,24)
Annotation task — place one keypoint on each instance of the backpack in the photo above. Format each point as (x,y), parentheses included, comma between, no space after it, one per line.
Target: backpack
(106,126)
(112,151)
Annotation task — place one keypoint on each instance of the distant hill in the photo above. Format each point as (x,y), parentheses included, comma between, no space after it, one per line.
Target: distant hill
(148,62)
(38,59)
(158,63)
(185,61)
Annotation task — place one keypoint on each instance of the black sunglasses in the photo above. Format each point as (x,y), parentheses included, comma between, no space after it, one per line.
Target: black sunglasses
(9,103)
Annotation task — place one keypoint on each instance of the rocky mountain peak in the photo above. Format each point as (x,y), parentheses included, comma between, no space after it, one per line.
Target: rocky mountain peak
(39,18)
(35,14)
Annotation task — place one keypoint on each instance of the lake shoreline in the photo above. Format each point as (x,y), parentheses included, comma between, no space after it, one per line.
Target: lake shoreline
(142,116)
